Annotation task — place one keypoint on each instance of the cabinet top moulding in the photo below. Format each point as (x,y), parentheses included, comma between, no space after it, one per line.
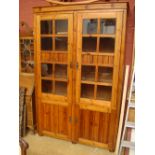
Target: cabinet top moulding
(99,6)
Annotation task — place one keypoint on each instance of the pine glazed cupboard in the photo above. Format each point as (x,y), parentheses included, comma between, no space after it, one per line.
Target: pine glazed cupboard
(79,56)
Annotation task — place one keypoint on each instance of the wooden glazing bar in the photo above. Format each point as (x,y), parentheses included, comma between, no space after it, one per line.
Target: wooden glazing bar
(53,76)
(53,35)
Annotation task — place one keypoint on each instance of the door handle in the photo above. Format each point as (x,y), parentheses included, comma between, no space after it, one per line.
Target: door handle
(71,64)
(77,65)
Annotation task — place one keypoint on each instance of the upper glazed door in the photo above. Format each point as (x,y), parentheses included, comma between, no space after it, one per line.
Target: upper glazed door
(54,74)
(98,52)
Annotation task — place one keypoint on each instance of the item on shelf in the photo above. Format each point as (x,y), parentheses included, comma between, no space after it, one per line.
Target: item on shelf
(110,27)
(92,26)
(27,54)
(44,70)
(107,26)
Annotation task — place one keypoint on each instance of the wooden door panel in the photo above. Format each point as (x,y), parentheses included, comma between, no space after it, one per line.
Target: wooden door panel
(54,74)
(98,50)
(54,119)
(94,126)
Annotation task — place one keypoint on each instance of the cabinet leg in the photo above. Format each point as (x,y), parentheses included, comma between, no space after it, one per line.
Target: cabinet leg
(73,142)
(40,133)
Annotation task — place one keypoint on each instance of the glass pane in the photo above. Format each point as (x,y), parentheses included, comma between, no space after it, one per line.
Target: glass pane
(90,26)
(46,70)
(89,44)
(87,91)
(88,73)
(107,45)
(108,26)
(61,43)
(46,43)
(46,27)
(61,26)
(46,86)
(105,74)
(61,71)
(104,93)
(61,88)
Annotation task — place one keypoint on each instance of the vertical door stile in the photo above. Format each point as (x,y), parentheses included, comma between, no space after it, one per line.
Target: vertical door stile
(98,48)
(54,75)
(70,74)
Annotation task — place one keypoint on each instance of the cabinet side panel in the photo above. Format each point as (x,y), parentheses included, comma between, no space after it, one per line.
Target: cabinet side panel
(116,113)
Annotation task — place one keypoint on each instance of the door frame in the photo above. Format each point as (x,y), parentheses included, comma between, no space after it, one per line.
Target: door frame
(43,97)
(119,67)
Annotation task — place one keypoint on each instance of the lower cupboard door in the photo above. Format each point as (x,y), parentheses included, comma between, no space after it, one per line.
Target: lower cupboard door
(54,121)
(94,128)
(97,77)
(54,74)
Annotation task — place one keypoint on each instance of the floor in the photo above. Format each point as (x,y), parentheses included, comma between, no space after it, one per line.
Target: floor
(42,145)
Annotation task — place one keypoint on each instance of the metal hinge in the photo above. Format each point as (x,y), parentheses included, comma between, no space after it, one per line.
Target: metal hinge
(77,65)
(71,64)
(71,120)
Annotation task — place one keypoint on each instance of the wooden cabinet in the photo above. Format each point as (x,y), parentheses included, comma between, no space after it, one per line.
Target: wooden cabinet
(79,54)
(27,81)
(26,54)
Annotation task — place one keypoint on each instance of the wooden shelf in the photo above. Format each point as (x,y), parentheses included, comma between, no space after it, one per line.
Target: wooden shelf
(87,64)
(99,35)
(61,79)
(47,78)
(51,51)
(99,53)
(54,35)
(60,63)
(97,83)
(105,65)
(54,79)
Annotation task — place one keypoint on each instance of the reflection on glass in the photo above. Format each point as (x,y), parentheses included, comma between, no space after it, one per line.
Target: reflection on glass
(88,73)
(108,26)
(89,26)
(61,43)
(61,71)
(61,26)
(61,88)
(89,44)
(103,93)
(46,27)
(107,45)
(87,91)
(46,43)
(46,70)
(46,86)
(105,74)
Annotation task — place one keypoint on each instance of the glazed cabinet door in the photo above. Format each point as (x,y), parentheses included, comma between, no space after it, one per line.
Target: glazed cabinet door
(53,38)
(98,55)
